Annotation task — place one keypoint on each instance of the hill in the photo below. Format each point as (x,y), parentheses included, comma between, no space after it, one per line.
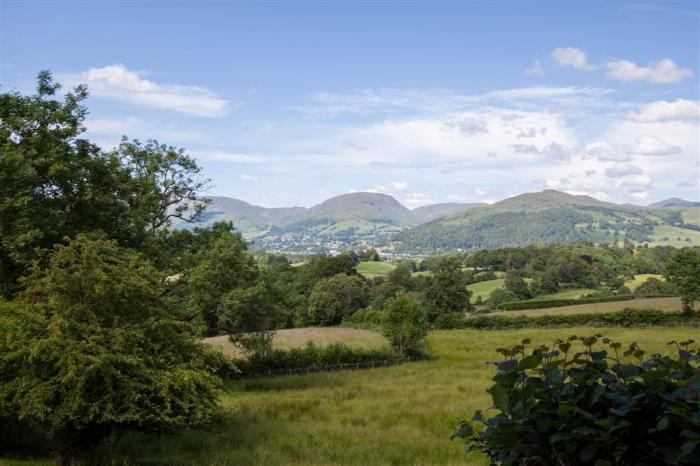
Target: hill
(433,211)
(545,217)
(674,202)
(353,214)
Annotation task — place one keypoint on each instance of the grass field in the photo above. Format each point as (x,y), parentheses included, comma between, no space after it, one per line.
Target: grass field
(374,269)
(320,336)
(484,289)
(390,416)
(396,415)
(641,278)
(663,304)
(672,234)
(569,293)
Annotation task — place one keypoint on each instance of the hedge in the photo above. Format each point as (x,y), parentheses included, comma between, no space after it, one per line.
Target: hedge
(625,318)
(543,304)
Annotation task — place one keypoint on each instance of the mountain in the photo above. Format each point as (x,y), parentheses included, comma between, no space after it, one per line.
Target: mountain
(546,217)
(433,211)
(355,213)
(674,202)
(248,218)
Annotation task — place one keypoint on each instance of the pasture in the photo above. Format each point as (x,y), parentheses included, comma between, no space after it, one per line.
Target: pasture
(373,269)
(395,415)
(641,278)
(662,304)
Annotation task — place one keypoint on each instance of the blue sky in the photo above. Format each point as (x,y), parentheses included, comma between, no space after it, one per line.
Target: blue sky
(289,103)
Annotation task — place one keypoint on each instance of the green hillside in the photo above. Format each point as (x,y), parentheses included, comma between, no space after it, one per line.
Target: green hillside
(545,217)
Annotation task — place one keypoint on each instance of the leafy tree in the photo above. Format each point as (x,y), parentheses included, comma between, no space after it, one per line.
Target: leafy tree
(219,269)
(165,181)
(654,286)
(53,182)
(405,323)
(336,297)
(89,348)
(517,285)
(446,290)
(683,270)
(500,296)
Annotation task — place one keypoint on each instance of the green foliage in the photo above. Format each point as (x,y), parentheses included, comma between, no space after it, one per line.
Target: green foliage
(683,270)
(405,324)
(222,271)
(516,285)
(446,289)
(625,318)
(334,298)
(653,286)
(591,406)
(89,348)
(500,296)
(310,358)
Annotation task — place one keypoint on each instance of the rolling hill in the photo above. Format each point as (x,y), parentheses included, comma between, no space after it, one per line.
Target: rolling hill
(546,217)
(674,202)
(433,211)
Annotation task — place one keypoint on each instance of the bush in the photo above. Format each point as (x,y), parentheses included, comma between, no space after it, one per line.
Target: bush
(311,358)
(601,406)
(625,318)
(500,296)
(405,324)
(653,286)
(368,317)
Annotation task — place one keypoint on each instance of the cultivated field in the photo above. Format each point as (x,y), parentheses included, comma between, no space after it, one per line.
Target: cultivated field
(395,415)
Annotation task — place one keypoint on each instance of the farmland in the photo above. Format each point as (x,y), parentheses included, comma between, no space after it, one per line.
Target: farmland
(341,417)
(662,304)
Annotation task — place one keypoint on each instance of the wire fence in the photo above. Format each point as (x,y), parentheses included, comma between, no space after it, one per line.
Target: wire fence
(330,367)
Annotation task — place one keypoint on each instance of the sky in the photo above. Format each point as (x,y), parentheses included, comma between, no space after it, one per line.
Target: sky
(290,103)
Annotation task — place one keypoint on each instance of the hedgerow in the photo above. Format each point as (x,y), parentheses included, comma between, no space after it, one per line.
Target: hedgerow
(596,406)
(625,318)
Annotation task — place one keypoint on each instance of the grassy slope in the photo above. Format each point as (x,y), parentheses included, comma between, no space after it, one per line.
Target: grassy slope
(673,233)
(664,304)
(374,269)
(484,289)
(397,415)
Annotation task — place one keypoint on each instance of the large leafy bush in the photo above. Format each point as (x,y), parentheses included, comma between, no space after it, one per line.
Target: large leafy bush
(594,405)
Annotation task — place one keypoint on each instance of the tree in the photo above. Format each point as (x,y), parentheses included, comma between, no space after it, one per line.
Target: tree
(165,181)
(500,296)
(53,182)
(405,323)
(446,290)
(517,285)
(336,297)
(89,348)
(221,268)
(683,270)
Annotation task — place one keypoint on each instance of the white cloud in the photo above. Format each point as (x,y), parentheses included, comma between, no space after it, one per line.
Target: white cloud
(659,72)
(457,198)
(623,169)
(217,156)
(467,126)
(481,191)
(535,70)
(118,83)
(571,56)
(662,111)
(245,177)
(604,152)
(647,145)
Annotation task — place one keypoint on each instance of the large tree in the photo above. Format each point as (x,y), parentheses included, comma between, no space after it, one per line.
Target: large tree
(683,270)
(446,290)
(89,348)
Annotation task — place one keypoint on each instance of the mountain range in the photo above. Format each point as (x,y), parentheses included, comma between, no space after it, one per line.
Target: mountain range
(363,219)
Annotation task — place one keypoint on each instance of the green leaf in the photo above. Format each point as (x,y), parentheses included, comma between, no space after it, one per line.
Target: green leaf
(588,452)
(530,362)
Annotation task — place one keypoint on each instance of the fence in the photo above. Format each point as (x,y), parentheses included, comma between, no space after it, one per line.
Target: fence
(330,367)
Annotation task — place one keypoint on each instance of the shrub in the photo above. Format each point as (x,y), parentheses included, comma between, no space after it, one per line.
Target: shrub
(653,286)
(405,324)
(624,318)
(336,297)
(89,349)
(311,358)
(602,406)
(368,317)
(500,296)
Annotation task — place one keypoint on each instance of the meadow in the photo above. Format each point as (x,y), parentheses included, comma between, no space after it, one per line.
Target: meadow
(395,415)
(662,304)
(371,269)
